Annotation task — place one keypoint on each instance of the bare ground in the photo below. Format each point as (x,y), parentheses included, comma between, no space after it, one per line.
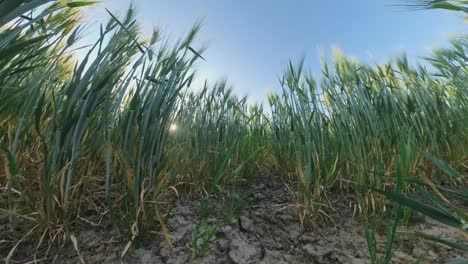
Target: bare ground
(266,230)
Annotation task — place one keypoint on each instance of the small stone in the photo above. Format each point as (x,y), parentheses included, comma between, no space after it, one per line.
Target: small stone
(222,244)
(241,251)
(417,252)
(226,229)
(310,250)
(308,238)
(273,257)
(359,255)
(146,256)
(246,224)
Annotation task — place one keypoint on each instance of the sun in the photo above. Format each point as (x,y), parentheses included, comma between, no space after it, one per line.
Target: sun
(173,127)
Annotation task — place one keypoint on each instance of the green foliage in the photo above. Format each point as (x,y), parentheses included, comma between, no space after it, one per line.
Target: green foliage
(350,124)
(219,137)
(121,128)
(440,209)
(105,111)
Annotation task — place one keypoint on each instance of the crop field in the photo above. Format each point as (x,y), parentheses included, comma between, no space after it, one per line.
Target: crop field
(113,156)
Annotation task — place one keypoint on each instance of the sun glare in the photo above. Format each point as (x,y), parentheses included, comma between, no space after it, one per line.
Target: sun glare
(173,128)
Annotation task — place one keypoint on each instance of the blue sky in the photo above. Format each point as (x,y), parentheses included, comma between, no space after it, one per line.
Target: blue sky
(251,41)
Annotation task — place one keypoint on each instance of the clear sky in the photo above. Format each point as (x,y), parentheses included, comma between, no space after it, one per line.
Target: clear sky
(251,41)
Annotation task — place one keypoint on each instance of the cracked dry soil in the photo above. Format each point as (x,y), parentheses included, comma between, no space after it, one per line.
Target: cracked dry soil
(265,231)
